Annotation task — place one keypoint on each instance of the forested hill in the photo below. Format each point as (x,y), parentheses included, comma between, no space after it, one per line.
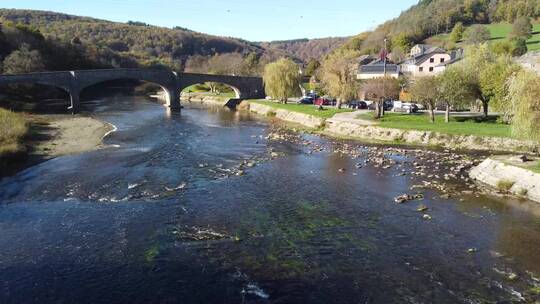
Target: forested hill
(306,49)
(432,17)
(112,44)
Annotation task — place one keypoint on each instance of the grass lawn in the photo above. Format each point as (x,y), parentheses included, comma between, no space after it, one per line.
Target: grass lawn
(202,90)
(499,31)
(12,129)
(328,112)
(456,126)
(222,94)
(536,168)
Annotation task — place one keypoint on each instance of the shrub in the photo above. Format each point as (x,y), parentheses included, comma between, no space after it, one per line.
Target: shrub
(12,128)
(505,185)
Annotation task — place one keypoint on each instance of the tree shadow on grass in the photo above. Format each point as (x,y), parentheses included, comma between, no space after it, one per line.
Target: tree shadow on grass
(39,132)
(479,119)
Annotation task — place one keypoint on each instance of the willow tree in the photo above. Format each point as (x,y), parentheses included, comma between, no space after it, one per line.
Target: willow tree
(281,79)
(338,75)
(494,81)
(524,103)
(426,90)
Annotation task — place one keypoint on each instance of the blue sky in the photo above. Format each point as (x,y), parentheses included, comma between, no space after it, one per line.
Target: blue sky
(255,20)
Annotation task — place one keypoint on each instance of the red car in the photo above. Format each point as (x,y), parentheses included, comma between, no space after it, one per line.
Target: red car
(322,102)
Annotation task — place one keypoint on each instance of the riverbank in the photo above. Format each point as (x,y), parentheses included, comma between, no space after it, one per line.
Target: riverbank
(66,134)
(347,124)
(54,135)
(206,100)
(504,175)
(13,128)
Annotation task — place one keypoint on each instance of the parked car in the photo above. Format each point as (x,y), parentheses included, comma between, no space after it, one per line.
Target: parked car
(358,104)
(405,107)
(306,100)
(312,95)
(388,105)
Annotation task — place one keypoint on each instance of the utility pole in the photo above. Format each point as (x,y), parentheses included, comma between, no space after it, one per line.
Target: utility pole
(384,54)
(384,78)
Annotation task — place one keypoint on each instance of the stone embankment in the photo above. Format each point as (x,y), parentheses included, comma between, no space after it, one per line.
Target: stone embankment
(206,100)
(346,125)
(427,138)
(306,120)
(508,178)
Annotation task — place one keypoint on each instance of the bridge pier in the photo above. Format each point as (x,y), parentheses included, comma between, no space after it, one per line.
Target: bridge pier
(75,99)
(174,99)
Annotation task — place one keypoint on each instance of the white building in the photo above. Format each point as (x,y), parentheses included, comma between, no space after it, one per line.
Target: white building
(428,60)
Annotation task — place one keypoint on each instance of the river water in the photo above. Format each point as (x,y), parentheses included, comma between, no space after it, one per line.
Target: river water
(200,207)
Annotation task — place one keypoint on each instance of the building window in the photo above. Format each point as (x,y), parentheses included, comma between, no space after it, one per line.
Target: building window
(431,60)
(431,69)
(421,69)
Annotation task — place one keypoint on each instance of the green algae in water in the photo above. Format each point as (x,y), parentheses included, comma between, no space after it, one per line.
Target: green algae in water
(151,254)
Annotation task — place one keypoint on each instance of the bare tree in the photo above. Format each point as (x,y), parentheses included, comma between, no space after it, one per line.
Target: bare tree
(380,89)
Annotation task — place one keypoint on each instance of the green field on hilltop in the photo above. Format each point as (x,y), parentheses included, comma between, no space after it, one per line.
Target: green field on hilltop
(328,112)
(499,31)
(456,126)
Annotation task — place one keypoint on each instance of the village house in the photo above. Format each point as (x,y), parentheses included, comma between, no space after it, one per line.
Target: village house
(427,60)
(370,68)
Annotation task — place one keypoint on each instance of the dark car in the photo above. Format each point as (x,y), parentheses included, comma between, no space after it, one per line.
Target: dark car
(388,105)
(306,100)
(358,104)
(313,95)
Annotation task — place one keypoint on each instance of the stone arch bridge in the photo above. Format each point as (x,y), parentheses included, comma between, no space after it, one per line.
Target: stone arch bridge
(74,82)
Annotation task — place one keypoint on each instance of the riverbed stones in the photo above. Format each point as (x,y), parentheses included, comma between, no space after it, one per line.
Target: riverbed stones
(408,197)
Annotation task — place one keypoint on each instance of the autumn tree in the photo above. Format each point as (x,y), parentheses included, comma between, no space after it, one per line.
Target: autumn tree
(401,42)
(23,60)
(281,79)
(487,74)
(457,33)
(380,89)
(426,90)
(312,67)
(473,67)
(477,34)
(519,46)
(338,75)
(455,89)
(522,28)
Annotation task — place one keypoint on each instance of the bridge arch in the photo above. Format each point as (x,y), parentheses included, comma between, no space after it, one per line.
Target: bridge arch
(209,84)
(167,80)
(167,92)
(58,80)
(244,87)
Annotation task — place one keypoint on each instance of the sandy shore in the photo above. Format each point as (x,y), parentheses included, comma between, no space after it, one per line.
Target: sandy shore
(57,135)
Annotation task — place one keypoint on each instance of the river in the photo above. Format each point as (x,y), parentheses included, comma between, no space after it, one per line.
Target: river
(201,207)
